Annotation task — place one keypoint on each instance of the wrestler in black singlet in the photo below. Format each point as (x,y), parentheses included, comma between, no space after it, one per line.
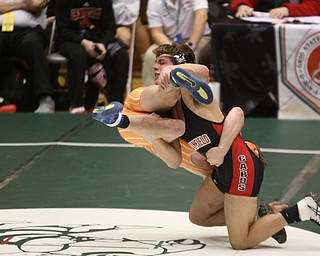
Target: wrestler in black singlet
(242,170)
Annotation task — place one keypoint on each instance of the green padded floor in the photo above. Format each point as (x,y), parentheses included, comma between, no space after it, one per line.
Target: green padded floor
(84,175)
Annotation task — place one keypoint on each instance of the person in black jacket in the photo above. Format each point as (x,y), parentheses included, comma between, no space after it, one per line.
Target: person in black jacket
(86,37)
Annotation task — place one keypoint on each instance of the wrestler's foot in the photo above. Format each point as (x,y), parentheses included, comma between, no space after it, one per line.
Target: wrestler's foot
(198,88)
(281,235)
(309,208)
(109,115)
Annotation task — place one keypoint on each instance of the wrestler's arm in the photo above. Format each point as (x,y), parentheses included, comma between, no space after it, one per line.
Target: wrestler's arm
(168,148)
(232,127)
(164,96)
(152,127)
(161,133)
(153,99)
(170,153)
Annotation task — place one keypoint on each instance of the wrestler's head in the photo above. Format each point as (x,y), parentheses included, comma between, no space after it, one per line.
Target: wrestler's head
(171,54)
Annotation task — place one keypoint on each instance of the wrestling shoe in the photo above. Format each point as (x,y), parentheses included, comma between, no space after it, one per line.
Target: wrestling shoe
(109,115)
(46,105)
(198,88)
(281,235)
(309,208)
(6,107)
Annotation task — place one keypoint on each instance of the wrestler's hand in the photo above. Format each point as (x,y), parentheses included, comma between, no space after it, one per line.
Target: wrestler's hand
(277,206)
(155,115)
(215,156)
(244,11)
(199,160)
(164,80)
(279,13)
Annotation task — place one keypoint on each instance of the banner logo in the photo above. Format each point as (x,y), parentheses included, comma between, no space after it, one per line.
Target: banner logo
(307,65)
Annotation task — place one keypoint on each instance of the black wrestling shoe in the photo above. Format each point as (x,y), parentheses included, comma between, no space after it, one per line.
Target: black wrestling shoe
(281,235)
(198,88)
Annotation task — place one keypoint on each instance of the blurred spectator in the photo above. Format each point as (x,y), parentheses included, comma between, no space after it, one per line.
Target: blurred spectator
(23,36)
(126,15)
(86,37)
(142,39)
(50,13)
(218,9)
(277,9)
(176,21)
(6,107)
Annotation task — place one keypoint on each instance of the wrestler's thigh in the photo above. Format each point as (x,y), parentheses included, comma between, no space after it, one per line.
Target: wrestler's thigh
(207,201)
(240,213)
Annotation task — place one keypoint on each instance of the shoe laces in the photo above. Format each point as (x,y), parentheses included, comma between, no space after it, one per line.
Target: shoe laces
(313,204)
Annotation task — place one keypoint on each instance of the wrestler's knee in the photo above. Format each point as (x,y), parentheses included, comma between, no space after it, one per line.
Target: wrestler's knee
(239,244)
(197,219)
(193,218)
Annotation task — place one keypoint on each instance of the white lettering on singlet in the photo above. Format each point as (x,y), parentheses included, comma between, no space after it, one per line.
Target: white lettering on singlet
(200,141)
(243,178)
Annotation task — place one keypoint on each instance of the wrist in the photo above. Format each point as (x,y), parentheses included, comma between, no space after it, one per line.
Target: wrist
(223,149)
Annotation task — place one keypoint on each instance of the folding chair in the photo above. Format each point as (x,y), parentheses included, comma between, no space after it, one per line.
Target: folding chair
(131,57)
(54,56)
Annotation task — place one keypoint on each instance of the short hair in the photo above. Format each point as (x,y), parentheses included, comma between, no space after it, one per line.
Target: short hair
(180,52)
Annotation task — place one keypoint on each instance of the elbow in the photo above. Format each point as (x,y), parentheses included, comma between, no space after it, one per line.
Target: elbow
(178,127)
(175,164)
(238,112)
(35,8)
(206,71)
(37,5)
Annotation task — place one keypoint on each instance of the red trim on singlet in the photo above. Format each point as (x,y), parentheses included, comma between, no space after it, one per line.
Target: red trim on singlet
(243,169)
(218,128)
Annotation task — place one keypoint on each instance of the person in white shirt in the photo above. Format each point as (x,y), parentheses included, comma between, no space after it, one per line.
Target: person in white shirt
(176,21)
(126,14)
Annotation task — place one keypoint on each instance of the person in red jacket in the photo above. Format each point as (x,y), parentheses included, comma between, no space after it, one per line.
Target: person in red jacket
(86,32)
(277,9)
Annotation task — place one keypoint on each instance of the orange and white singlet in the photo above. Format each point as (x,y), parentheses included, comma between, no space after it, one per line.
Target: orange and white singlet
(132,107)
